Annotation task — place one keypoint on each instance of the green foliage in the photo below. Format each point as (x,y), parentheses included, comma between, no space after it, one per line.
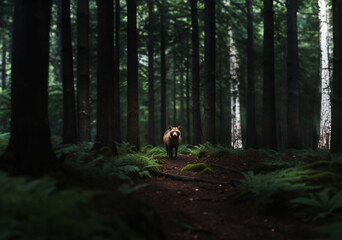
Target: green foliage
(35,209)
(209,149)
(317,205)
(274,188)
(207,170)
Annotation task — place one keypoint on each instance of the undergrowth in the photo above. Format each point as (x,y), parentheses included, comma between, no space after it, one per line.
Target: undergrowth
(306,184)
(36,209)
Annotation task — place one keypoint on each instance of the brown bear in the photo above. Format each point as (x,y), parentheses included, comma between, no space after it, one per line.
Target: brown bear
(172,139)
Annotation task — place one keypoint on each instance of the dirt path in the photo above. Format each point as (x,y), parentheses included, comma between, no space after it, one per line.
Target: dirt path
(197,210)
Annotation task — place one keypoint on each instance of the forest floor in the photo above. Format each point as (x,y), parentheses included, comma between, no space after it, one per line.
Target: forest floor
(200,210)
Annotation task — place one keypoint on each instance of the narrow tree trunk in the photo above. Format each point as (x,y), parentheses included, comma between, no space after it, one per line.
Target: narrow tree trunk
(29,150)
(117,111)
(196,111)
(188,97)
(174,89)
(4,62)
(209,72)
(132,76)
(67,72)
(325,122)
(336,109)
(236,136)
(269,137)
(83,81)
(294,139)
(181,98)
(163,105)
(105,77)
(251,137)
(221,120)
(151,122)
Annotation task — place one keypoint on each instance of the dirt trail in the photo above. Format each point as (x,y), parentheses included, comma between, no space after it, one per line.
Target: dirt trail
(198,210)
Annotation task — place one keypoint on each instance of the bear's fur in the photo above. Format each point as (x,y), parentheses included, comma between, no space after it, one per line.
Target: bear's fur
(172,139)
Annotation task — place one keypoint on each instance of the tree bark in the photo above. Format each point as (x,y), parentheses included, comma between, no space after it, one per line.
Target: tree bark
(151,121)
(67,72)
(83,81)
(132,76)
(336,109)
(196,111)
(105,77)
(236,136)
(209,73)
(324,35)
(294,138)
(181,98)
(29,150)
(162,70)
(4,62)
(251,137)
(188,97)
(117,108)
(269,137)
(174,89)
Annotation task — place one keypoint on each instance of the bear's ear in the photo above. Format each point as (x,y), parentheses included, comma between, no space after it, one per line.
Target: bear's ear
(170,127)
(179,127)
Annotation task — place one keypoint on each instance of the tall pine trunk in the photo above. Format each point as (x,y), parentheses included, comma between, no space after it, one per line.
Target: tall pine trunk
(117,111)
(67,72)
(181,98)
(151,121)
(251,137)
(83,81)
(336,109)
(29,150)
(209,73)
(236,136)
(269,137)
(105,77)
(4,62)
(196,110)
(132,76)
(163,106)
(188,120)
(294,139)
(324,35)
(174,89)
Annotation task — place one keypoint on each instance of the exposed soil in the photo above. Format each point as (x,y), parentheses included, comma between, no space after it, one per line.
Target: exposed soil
(198,210)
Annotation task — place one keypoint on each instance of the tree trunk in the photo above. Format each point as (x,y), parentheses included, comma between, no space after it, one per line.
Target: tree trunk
(105,77)
(181,98)
(325,122)
(29,150)
(196,110)
(209,73)
(162,70)
(132,76)
(294,139)
(188,97)
(269,137)
(83,81)
(4,62)
(117,111)
(236,136)
(67,72)
(174,89)
(251,137)
(336,109)
(151,122)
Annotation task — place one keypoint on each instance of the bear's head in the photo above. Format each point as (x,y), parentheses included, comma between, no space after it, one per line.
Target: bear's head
(175,131)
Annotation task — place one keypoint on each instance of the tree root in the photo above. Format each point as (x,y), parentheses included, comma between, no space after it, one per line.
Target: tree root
(186,178)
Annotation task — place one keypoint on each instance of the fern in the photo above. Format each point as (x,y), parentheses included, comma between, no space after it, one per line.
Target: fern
(318,205)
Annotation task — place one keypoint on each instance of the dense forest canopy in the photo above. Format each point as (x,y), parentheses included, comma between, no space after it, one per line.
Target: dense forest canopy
(169,39)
